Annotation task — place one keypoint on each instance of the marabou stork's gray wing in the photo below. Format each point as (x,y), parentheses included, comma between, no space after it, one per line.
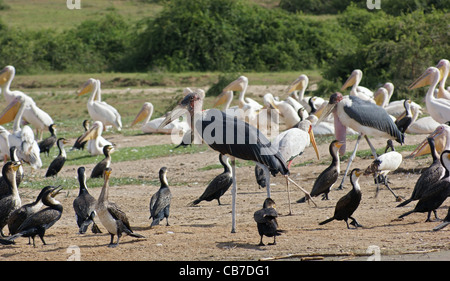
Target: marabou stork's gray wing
(229,135)
(371,115)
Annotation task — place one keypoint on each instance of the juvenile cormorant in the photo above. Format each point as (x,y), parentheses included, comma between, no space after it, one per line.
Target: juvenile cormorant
(84,205)
(78,144)
(57,164)
(266,221)
(348,203)
(329,176)
(17,217)
(48,143)
(428,177)
(437,194)
(98,170)
(219,185)
(160,201)
(39,222)
(444,223)
(111,217)
(11,202)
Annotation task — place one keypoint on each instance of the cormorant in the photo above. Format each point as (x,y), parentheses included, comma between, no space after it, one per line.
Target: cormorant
(444,223)
(4,188)
(39,222)
(57,164)
(160,201)
(48,143)
(266,221)
(219,185)
(17,217)
(436,194)
(78,144)
(405,119)
(11,202)
(329,176)
(84,205)
(428,177)
(98,170)
(347,205)
(111,217)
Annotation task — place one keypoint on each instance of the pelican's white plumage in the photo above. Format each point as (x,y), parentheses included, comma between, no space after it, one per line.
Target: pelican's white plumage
(100,110)
(151,126)
(438,108)
(95,140)
(32,114)
(361,92)
(22,138)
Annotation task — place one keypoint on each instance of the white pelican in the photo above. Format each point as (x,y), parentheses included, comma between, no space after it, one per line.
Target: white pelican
(152,126)
(4,143)
(21,138)
(95,140)
(287,112)
(297,91)
(441,138)
(444,67)
(438,108)
(359,91)
(100,110)
(365,117)
(424,125)
(32,114)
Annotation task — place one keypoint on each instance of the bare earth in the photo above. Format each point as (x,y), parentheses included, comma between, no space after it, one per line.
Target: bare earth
(203,232)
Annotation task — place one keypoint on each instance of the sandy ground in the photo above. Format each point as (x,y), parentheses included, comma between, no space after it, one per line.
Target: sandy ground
(204,232)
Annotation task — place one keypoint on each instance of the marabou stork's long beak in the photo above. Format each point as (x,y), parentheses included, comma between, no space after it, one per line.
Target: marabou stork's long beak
(326,111)
(182,108)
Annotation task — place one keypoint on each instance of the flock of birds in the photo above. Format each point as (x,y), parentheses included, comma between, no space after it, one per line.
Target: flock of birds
(239,133)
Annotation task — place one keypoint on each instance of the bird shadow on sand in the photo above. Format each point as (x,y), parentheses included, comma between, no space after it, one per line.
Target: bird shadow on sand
(229,245)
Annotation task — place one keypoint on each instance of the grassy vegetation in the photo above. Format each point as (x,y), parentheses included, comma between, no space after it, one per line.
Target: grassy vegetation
(54,14)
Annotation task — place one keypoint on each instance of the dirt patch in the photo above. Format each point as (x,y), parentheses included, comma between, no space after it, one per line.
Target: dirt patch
(203,232)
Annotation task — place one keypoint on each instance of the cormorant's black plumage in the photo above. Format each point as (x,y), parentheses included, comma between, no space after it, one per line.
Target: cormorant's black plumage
(78,144)
(328,177)
(84,205)
(56,165)
(219,185)
(98,170)
(436,194)
(48,143)
(347,204)
(266,221)
(10,202)
(428,177)
(160,201)
(38,223)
